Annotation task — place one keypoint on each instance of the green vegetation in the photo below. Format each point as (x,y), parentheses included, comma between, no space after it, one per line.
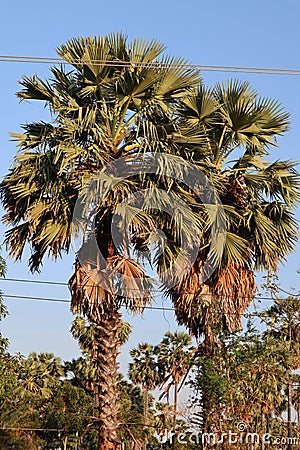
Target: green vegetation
(250,379)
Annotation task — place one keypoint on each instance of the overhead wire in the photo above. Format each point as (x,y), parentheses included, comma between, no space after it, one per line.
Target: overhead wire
(153,64)
(123,305)
(152,291)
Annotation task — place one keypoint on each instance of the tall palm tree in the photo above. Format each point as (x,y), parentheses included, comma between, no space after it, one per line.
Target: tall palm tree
(117,100)
(237,128)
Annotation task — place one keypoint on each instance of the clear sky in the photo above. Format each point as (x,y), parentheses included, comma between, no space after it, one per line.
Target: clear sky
(256,33)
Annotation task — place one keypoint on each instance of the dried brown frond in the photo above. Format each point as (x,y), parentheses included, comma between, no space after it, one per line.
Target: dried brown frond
(132,284)
(191,301)
(217,305)
(235,287)
(95,291)
(88,294)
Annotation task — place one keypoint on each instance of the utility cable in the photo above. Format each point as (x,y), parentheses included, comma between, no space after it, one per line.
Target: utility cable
(158,308)
(154,65)
(152,291)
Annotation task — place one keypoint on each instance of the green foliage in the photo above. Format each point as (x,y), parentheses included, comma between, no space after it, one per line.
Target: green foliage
(131,413)
(144,369)
(102,113)
(70,411)
(246,378)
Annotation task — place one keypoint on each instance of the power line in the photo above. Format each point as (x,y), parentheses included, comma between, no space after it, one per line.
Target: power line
(152,291)
(154,65)
(157,308)
(23,280)
(45,299)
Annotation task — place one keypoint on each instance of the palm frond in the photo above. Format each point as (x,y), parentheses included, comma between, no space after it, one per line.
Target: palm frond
(35,89)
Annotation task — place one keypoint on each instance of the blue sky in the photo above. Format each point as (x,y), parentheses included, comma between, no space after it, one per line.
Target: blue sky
(260,33)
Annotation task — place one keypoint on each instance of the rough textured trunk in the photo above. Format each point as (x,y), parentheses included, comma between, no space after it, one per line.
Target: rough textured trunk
(106,385)
(92,288)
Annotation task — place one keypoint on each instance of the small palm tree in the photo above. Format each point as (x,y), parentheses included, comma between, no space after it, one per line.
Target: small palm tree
(175,354)
(283,319)
(39,374)
(144,371)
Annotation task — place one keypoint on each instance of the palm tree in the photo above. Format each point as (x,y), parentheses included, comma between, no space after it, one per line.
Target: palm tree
(237,128)
(39,373)
(175,353)
(283,319)
(118,100)
(144,371)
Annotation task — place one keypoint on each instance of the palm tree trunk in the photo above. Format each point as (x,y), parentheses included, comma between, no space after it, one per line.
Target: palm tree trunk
(106,385)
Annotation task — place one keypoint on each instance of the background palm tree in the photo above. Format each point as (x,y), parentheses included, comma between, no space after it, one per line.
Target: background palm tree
(175,355)
(38,375)
(283,320)
(144,371)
